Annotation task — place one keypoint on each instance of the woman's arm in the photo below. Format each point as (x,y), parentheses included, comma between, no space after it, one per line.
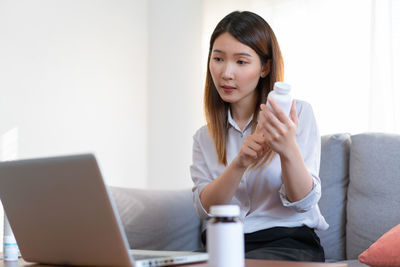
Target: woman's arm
(280,133)
(221,190)
(295,176)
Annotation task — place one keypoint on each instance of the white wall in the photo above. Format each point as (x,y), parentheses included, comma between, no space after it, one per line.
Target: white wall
(175,90)
(73,79)
(121,79)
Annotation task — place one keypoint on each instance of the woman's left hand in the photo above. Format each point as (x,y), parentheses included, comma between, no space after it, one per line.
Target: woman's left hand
(278,129)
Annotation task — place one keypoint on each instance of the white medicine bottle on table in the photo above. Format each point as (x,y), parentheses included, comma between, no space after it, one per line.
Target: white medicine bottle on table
(281,95)
(10,247)
(225,239)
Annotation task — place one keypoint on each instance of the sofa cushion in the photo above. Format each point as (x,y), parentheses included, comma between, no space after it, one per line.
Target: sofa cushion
(149,225)
(334,175)
(373,202)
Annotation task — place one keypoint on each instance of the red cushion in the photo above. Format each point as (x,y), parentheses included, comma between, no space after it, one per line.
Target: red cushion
(385,251)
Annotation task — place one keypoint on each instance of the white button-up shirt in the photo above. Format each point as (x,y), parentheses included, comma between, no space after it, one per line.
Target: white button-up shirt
(261,194)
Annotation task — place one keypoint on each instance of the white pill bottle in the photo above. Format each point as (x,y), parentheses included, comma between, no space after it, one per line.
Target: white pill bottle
(281,95)
(225,238)
(10,247)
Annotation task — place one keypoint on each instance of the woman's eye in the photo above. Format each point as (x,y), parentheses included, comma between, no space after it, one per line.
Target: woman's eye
(218,59)
(241,62)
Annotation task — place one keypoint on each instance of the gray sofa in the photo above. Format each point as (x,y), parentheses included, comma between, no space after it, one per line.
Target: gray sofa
(360,177)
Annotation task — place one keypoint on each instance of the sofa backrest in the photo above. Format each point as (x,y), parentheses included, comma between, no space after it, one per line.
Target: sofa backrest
(373,202)
(158,219)
(334,175)
(360,177)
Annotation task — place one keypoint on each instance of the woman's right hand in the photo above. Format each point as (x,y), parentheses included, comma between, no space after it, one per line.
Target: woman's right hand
(222,189)
(253,149)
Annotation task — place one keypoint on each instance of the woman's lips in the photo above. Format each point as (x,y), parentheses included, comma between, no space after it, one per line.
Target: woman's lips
(228,89)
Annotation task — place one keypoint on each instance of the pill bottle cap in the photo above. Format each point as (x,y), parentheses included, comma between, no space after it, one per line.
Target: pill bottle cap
(282,88)
(225,210)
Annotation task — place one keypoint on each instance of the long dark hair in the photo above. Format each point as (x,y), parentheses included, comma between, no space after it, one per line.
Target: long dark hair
(253,31)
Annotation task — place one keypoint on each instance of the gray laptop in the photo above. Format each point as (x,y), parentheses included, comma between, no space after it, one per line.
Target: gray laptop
(61,212)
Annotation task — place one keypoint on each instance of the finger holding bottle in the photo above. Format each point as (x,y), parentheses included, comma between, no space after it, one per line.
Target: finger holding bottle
(278,129)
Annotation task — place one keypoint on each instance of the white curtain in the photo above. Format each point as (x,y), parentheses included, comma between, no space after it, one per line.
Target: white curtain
(385,51)
(342,56)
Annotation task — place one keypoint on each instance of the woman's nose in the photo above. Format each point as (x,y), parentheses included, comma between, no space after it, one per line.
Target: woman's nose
(228,72)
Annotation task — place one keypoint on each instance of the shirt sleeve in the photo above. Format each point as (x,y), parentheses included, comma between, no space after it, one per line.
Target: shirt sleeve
(309,142)
(201,177)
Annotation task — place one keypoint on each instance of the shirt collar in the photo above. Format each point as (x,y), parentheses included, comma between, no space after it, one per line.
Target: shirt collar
(233,123)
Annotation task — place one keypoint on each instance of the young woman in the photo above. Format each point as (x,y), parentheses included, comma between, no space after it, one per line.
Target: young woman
(247,154)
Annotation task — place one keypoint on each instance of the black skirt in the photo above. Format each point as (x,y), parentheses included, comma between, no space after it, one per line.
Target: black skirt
(282,243)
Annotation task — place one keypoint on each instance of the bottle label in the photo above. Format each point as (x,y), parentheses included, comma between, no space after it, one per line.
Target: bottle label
(225,244)
(10,248)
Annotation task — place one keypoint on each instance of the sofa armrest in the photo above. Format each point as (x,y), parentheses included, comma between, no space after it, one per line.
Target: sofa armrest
(158,219)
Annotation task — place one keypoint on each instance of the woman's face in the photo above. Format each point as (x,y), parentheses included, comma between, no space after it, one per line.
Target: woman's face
(235,69)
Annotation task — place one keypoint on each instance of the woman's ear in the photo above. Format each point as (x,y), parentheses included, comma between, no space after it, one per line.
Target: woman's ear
(266,69)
